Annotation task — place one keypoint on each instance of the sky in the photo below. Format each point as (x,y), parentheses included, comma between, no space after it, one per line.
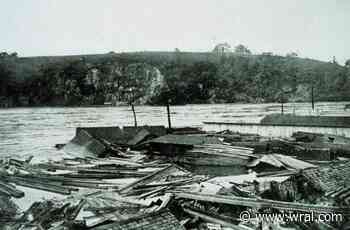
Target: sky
(317,29)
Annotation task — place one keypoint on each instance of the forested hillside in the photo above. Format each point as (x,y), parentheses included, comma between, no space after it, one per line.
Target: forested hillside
(158,77)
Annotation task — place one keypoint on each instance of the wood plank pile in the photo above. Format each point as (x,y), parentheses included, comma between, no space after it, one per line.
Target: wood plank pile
(93,197)
(225,211)
(230,136)
(332,181)
(8,209)
(217,154)
(69,175)
(278,161)
(328,146)
(304,145)
(136,186)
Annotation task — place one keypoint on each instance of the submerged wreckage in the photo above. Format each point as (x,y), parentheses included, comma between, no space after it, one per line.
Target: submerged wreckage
(147,178)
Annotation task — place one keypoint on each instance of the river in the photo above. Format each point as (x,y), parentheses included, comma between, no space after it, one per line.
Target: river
(35,131)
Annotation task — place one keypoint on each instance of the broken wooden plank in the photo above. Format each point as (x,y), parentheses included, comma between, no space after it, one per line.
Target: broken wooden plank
(10,190)
(103,175)
(139,137)
(155,176)
(211,219)
(167,183)
(154,191)
(260,203)
(41,186)
(162,219)
(83,143)
(187,140)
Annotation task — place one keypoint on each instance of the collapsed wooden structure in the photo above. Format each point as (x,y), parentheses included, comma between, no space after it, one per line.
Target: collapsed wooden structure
(135,178)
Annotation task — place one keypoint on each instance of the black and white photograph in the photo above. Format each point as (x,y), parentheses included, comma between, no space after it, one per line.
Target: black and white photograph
(175,115)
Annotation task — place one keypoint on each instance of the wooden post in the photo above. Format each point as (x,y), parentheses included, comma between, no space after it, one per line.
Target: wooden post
(133,111)
(312,98)
(282,108)
(282,98)
(168,111)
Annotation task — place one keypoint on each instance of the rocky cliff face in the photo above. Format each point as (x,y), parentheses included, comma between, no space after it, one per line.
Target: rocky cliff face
(111,83)
(136,83)
(155,86)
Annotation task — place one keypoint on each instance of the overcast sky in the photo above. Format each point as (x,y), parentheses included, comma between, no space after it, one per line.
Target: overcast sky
(318,29)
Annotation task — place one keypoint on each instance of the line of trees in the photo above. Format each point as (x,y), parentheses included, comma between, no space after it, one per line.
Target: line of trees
(212,77)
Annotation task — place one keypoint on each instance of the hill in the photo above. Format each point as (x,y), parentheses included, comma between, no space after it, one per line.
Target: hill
(157,77)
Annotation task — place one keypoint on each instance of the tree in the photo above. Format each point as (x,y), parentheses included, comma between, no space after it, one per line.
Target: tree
(292,55)
(201,81)
(7,72)
(334,60)
(347,63)
(242,50)
(222,48)
(177,55)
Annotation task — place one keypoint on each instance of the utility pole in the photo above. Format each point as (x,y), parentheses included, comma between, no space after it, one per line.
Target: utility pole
(282,108)
(168,112)
(134,113)
(282,95)
(131,101)
(312,97)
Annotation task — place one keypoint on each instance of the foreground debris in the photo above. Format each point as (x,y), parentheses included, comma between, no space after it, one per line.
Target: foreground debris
(141,178)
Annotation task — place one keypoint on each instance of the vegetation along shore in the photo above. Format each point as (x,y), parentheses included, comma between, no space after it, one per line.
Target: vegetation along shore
(219,76)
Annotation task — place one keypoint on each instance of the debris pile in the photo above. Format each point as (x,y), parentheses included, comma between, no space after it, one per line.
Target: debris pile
(8,210)
(134,178)
(329,183)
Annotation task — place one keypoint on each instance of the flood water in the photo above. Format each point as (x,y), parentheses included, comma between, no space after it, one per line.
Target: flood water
(35,131)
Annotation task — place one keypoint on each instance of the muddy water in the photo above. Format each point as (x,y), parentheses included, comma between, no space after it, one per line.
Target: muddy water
(35,131)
